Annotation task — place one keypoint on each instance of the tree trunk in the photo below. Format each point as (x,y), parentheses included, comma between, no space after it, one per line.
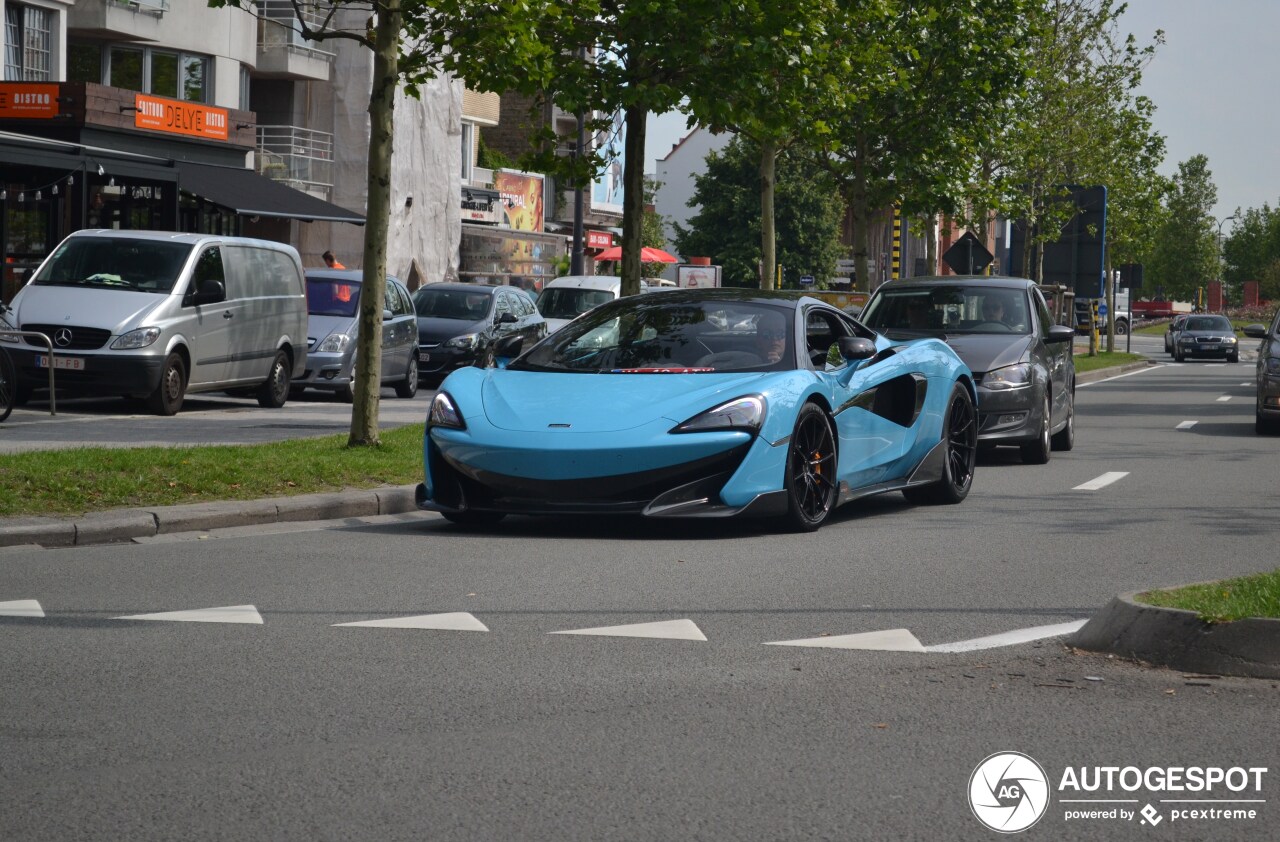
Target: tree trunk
(368,370)
(768,227)
(633,199)
(860,212)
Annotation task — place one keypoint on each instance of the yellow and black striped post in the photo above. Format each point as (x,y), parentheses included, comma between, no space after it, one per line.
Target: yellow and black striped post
(896,270)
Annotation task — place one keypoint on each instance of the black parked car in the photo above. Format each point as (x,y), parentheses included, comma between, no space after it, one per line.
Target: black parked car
(1172,331)
(1004,331)
(458,324)
(1207,336)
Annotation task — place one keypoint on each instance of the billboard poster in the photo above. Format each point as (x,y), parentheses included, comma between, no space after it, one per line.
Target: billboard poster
(695,276)
(606,190)
(521,197)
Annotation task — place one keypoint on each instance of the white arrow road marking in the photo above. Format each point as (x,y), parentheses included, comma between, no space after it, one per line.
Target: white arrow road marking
(1224,399)
(457,621)
(226,614)
(1010,638)
(670,629)
(889,640)
(21,608)
(902,640)
(1185,425)
(1102,481)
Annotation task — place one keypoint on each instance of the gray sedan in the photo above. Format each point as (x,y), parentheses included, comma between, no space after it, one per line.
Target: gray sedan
(333,306)
(1004,331)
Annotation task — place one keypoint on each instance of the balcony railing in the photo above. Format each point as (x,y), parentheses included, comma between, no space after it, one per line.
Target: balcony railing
(278,27)
(153,6)
(301,158)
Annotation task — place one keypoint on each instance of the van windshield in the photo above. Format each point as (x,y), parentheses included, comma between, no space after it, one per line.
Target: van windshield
(115,263)
(570,302)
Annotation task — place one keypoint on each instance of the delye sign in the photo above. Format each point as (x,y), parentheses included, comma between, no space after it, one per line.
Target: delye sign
(177,117)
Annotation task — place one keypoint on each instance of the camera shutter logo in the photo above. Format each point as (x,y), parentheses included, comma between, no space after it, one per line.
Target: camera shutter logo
(1009,792)
(62,337)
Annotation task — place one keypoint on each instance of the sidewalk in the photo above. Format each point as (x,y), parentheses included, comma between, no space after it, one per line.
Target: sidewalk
(117,525)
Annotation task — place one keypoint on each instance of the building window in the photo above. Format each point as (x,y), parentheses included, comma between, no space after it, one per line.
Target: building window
(468,150)
(146,70)
(244,89)
(27,43)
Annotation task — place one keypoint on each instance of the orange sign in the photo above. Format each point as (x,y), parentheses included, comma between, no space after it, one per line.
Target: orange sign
(177,117)
(28,100)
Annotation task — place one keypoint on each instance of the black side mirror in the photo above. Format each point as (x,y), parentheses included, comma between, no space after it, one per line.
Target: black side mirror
(507,319)
(1060,333)
(1256,331)
(508,346)
(856,348)
(211,291)
(387,315)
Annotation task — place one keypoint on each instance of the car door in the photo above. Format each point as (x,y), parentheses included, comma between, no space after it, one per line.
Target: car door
(873,423)
(532,326)
(398,332)
(1057,358)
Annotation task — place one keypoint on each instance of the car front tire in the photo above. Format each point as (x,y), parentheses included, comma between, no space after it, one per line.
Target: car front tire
(1065,439)
(810,480)
(1037,452)
(167,398)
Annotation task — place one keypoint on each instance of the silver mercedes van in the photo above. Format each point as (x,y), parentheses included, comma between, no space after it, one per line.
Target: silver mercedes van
(157,315)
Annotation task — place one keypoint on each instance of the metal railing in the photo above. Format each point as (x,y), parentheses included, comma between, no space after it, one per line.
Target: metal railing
(8,335)
(160,6)
(299,157)
(278,27)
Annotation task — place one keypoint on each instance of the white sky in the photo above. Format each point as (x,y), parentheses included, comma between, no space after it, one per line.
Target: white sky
(1210,83)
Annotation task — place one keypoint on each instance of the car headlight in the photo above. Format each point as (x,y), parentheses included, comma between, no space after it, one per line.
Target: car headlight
(1230,340)
(334,343)
(465,342)
(1010,377)
(140,338)
(444,413)
(744,413)
(1273,366)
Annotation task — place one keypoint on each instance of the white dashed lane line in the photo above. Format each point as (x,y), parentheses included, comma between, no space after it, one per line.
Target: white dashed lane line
(1224,399)
(21,608)
(1102,481)
(1185,425)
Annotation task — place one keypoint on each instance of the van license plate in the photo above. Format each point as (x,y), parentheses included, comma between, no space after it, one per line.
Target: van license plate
(424,357)
(73,363)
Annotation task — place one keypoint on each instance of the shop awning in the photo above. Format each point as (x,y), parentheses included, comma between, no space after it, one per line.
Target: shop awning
(250,194)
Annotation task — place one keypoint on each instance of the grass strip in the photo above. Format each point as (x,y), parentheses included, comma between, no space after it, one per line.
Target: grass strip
(1221,602)
(1104,359)
(63,482)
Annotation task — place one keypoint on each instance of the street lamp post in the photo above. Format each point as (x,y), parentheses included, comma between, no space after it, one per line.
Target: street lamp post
(1221,222)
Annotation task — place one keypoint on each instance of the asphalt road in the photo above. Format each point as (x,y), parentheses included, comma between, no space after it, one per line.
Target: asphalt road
(297,729)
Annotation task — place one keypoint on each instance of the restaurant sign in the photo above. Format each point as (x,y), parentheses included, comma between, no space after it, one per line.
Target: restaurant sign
(27,100)
(178,117)
(599,240)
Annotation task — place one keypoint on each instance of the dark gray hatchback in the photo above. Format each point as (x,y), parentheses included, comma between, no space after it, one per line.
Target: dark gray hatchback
(1003,330)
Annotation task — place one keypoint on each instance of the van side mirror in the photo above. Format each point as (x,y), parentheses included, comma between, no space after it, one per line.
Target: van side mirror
(211,291)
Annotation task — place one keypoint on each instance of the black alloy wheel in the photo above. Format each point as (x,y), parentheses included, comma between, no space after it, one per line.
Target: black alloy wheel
(960,433)
(167,398)
(1037,452)
(8,385)
(810,481)
(275,391)
(1065,439)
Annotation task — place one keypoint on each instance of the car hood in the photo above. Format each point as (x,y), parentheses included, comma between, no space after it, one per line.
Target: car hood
(433,330)
(115,310)
(318,327)
(987,352)
(532,401)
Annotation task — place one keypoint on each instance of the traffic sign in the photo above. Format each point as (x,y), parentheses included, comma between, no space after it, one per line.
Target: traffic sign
(967,255)
(806,280)
(1102,308)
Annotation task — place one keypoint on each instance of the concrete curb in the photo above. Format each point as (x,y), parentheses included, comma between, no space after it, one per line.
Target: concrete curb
(127,524)
(1179,639)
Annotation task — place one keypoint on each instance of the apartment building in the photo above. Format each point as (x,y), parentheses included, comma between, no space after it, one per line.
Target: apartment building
(167,114)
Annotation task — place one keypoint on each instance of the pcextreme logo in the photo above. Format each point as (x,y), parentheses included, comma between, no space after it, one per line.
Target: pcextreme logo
(1009,792)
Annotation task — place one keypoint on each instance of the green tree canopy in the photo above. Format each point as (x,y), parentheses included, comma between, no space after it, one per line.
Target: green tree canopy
(1184,252)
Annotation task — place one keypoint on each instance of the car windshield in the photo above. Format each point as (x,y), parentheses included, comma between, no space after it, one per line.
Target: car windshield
(460,304)
(570,302)
(332,297)
(948,309)
(1208,323)
(646,335)
(123,263)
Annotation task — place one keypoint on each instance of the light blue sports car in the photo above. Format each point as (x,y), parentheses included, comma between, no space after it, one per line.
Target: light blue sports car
(701,403)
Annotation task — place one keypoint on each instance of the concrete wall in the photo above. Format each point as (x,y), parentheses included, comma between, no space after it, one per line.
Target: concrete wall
(676,172)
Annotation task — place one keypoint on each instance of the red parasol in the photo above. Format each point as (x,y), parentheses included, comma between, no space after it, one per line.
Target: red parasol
(647,255)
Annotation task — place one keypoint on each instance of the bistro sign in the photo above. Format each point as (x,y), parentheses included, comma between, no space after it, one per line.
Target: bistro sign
(28,100)
(177,117)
